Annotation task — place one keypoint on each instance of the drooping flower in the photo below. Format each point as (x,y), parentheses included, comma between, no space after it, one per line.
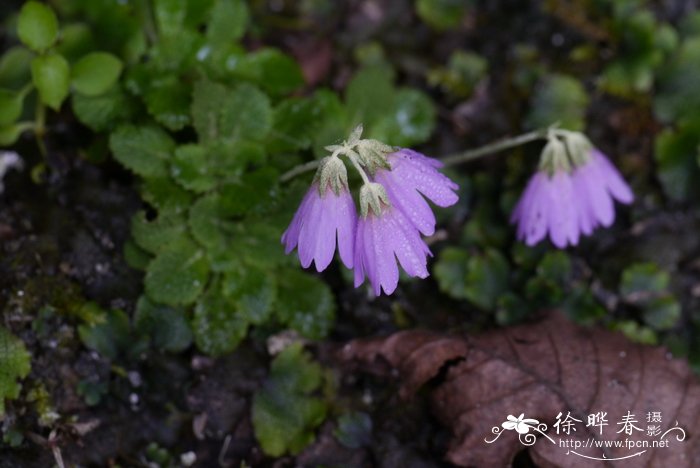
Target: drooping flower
(411,177)
(326,215)
(571,194)
(385,234)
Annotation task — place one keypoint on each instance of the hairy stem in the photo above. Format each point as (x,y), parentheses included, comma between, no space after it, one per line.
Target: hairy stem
(451,160)
(495,147)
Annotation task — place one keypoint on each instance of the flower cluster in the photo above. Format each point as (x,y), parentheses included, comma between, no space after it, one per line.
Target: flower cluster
(393,213)
(571,194)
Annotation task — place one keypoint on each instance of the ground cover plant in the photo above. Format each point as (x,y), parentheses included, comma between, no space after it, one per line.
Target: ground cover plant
(503,182)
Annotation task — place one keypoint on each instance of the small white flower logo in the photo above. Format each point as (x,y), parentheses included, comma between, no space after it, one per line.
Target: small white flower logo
(521,424)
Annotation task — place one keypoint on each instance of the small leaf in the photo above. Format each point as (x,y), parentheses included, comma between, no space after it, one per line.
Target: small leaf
(274,71)
(559,98)
(168,101)
(37,26)
(305,303)
(643,279)
(178,274)
(105,111)
(110,336)
(95,73)
(15,364)
(15,67)
(154,236)
(9,135)
(170,16)
(217,327)
(247,114)
(411,122)
(10,106)
(229,19)
(191,168)
(207,223)
(166,326)
(370,95)
(51,76)
(442,14)
(144,150)
(284,413)
(676,153)
(253,290)
(207,110)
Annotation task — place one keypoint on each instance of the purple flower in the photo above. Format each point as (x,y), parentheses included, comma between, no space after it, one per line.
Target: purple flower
(380,241)
(568,203)
(412,177)
(320,219)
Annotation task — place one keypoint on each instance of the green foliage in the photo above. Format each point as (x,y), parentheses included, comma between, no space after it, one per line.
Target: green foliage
(646,287)
(463,72)
(109,336)
(479,278)
(166,327)
(442,14)
(676,154)
(144,150)
(285,413)
(178,274)
(51,76)
(96,73)
(559,98)
(37,26)
(15,364)
(10,106)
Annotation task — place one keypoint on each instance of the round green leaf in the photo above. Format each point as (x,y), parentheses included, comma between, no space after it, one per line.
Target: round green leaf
(96,73)
(51,76)
(37,26)
(178,274)
(217,327)
(144,150)
(305,303)
(9,135)
(10,106)
(166,326)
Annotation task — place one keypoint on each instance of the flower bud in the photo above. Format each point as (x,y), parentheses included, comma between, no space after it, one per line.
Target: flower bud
(332,172)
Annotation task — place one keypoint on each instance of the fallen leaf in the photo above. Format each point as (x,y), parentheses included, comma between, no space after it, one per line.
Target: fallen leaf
(540,370)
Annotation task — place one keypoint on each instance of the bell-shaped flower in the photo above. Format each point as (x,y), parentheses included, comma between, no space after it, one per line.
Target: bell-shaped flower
(325,217)
(413,176)
(571,194)
(384,235)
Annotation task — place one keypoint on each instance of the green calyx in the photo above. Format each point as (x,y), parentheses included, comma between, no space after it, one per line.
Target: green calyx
(565,151)
(331,173)
(373,195)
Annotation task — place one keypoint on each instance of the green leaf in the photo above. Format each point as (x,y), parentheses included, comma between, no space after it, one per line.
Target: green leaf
(247,114)
(15,66)
(251,191)
(76,41)
(10,106)
(166,326)
(560,98)
(191,168)
(144,150)
(642,279)
(51,76)
(253,290)
(37,26)
(305,303)
(168,101)
(229,19)
(95,73)
(678,84)
(170,16)
(442,14)
(217,327)
(370,95)
(293,124)
(136,257)
(178,274)
(9,135)
(207,99)
(411,122)
(165,195)
(103,112)
(156,235)
(207,223)
(285,414)
(15,364)
(276,72)
(662,313)
(676,153)
(110,336)
(480,279)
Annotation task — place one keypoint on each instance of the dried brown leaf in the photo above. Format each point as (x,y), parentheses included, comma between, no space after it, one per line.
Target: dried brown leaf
(541,370)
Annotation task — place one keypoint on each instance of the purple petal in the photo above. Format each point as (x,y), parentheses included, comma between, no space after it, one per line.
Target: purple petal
(409,201)
(534,220)
(326,229)
(611,177)
(387,270)
(413,172)
(359,252)
(409,247)
(309,230)
(562,213)
(290,237)
(346,223)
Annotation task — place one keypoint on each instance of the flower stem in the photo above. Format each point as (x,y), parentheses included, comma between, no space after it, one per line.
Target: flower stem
(495,147)
(451,160)
(359,169)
